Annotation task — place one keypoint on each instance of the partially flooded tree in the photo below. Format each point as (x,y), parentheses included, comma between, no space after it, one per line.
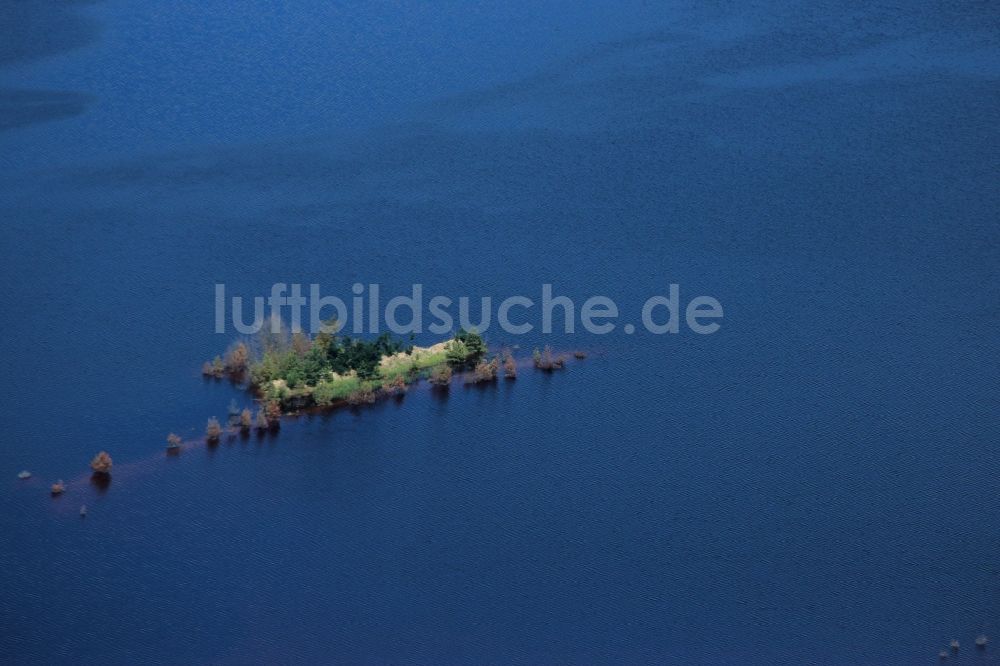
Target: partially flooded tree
(246,420)
(237,359)
(101,464)
(395,386)
(509,366)
(485,371)
(213,430)
(173,442)
(261,421)
(441,376)
(274,414)
(545,360)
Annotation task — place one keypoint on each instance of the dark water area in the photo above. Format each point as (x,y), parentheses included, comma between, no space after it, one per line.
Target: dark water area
(816,483)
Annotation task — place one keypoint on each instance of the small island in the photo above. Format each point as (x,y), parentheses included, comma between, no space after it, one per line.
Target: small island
(290,373)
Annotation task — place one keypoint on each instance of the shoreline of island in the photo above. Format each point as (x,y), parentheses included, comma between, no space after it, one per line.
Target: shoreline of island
(289,374)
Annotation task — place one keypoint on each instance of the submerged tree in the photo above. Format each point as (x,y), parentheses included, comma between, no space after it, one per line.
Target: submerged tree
(213,430)
(509,366)
(234,413)
(485,371)
(441,376)
(544,360)
(237,359)
(246,420)
(101,464)
(274,414)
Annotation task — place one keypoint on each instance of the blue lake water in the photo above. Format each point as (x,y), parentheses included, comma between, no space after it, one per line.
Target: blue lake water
(816,483)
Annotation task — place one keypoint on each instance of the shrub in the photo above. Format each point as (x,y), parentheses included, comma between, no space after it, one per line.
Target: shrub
(441,376)
(544,360)
(246,420)
(485,372)
(329,391)
(363,396)
(274,414)
(395,386)
(324,393)
(509,366)
(101,464)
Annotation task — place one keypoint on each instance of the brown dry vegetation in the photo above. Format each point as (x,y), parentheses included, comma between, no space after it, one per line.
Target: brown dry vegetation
(544,360)
(485,372)
(441,376)
(395,386)
(273,412)
(213,430)
(246,420)
(363,396)
(509,366)
(101,464)
(237,359)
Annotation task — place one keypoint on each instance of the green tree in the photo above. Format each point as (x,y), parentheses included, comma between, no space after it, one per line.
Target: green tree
(476,346)
(456,353)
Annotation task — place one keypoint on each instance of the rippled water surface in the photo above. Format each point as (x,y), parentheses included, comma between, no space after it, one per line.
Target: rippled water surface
(816,483)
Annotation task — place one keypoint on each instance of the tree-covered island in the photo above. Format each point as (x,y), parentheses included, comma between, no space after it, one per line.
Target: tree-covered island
(297,371)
